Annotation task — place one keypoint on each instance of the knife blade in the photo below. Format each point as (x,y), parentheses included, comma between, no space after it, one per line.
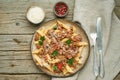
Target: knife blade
(100,46)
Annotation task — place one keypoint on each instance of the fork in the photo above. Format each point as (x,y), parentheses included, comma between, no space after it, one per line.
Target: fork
(95,65)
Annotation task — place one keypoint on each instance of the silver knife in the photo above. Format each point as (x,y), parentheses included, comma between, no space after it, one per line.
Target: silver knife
(100,50)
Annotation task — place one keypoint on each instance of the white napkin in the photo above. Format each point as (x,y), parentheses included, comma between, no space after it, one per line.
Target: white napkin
(86,12)
(111,58)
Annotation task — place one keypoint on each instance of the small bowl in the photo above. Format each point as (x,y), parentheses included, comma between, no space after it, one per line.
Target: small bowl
(63,6)
(35,17)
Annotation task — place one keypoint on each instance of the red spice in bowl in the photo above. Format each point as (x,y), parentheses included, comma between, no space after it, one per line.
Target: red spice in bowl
(61,9)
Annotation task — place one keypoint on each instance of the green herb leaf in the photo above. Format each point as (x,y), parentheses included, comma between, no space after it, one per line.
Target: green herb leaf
(40,42)
(55,53)
(55,27)
(68,41)
(70,61)
(42,38)
(55,68)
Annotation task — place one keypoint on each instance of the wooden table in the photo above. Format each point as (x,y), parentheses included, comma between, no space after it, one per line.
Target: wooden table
(15,36)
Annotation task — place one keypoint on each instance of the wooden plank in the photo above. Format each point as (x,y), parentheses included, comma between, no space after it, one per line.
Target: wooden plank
(117,2)
(117,77)
(15,42)
(13,55)
(12,14)
(18,66)
(9,55)
(117,11)
(25,77)
(17,23)
(9,6)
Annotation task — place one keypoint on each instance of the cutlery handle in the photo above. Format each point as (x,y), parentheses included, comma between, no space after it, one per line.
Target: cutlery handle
(96,69)
(102,72)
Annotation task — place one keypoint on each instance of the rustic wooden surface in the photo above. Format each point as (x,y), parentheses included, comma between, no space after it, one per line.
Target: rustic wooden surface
(15,37)
(117,11)
(117,8)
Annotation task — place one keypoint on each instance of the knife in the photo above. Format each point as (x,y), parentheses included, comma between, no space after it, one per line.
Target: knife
(100,50)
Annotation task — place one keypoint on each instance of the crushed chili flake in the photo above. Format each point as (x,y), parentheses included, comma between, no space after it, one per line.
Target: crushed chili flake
(61,9)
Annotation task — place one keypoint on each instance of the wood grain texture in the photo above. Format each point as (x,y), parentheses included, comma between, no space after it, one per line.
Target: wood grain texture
(117,2)
(117,11)
(15,58)
(14,23)
(8,42)
(117,77)
(18,66)
(15,37)
(15,55)
(25,77)
(13,20)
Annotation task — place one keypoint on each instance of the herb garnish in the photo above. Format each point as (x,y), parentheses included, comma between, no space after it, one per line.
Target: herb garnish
(55,67)
(68,41)
(55,27)
(70,61)
(55,53)
(42,38)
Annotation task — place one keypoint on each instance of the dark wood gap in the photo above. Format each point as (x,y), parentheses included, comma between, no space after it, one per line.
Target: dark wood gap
(17,34)
(16,59)
(14,50)
(21,73)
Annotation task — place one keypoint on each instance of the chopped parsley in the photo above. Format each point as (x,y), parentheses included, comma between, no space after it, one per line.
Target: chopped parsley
(55,27)
(70,61)
(68,41)
(40,42)
(42,38)
(55,53)
(55,68)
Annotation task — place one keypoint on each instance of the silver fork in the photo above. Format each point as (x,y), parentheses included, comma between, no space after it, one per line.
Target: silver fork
(95,65)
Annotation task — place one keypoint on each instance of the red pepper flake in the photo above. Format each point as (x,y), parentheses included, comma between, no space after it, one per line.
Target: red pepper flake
(61,8)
